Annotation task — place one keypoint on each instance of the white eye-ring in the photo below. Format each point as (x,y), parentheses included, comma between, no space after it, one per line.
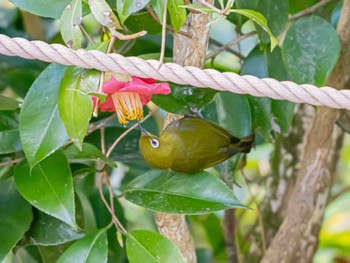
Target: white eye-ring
(154,143)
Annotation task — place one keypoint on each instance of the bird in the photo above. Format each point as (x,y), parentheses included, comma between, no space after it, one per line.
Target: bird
(191,144)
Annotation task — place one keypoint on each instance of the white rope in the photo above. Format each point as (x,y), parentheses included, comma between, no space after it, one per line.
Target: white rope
(266,87)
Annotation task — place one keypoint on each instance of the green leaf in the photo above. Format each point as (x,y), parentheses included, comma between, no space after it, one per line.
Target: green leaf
(10,141)
(158,8)
(276,14)
(90,249)
(170,192)
(49,187)
(260,20)
(130,7)
(45,8)
(89,152)
(184,99)
(74,106)
(40,126)
(69,25)
(177,14)
(7,103)
(296,6)
(311,50)
(15,216)
(199,8)
(49,231)
(104,14)
(238,123)
(148,246)
(9,134)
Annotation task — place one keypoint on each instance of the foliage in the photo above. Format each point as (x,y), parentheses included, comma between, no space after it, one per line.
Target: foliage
(53,151)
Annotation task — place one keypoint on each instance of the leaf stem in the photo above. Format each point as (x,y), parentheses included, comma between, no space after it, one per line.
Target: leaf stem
(228,45)
(162,48)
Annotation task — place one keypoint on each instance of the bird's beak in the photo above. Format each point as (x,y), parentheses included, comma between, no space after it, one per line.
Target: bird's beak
(142,130)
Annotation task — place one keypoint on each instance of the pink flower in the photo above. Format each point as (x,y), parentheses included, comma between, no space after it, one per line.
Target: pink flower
(127,97)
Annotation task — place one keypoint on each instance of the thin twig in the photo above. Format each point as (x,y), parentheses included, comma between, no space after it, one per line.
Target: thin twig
(228,49)
(170,28)
(115,220)
(261,223)
(229,44)
(103,142)
(115,143)
(86,34)
(309,10)
(121,36)
(162,48)
(8,163)
(219,11)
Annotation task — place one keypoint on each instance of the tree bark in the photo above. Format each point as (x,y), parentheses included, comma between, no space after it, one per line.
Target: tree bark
(187,52)
(297,237)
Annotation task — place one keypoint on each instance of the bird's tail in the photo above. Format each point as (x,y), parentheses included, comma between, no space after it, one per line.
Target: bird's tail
(247,143)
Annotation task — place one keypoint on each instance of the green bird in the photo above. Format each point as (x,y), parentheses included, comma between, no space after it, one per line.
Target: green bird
(191,144)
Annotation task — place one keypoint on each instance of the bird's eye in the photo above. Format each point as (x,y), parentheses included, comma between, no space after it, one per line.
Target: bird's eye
(154,143)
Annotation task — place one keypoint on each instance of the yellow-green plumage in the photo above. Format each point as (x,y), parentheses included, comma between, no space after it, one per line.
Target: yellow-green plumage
(191,144)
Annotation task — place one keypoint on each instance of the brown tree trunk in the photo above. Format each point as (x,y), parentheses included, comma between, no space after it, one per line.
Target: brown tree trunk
(187,52)
(297,238)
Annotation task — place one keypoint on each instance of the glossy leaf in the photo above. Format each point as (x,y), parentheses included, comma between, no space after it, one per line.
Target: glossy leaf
(158,8)
(310,50)
(7,103)
(184,99)
(41,128)
(130,7)
(45,8)
(89,249)
(69,24)
(260,20)
(89,152)
(276,14)
(104,14)
(170,192)
(48,231)
(74,106)
(49,187)
(177,13)
(15,216)
(228,103)
(151,247)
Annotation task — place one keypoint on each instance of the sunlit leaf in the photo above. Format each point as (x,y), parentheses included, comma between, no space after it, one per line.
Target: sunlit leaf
(7,103)
(15,216)
(158,8)
(151,247)
(258,19)
(170,192)
(104,14)
(177,14)
(49,187)
(74,106)
(40,126)
(69,24)
(45,8)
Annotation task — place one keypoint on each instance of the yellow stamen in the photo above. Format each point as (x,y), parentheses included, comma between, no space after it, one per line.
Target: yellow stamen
(128,106)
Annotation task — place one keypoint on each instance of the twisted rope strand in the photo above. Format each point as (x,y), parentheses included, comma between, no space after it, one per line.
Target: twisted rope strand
(207,78)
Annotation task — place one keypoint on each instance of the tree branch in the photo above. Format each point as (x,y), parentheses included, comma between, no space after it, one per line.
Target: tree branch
(297,237)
